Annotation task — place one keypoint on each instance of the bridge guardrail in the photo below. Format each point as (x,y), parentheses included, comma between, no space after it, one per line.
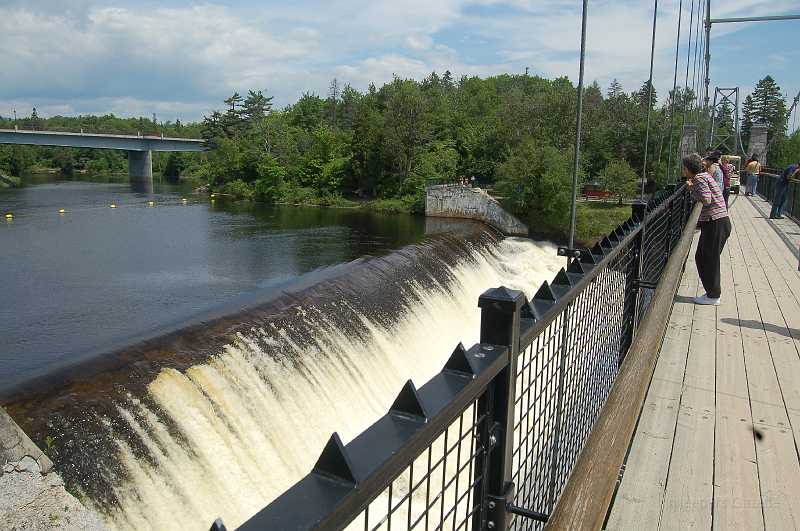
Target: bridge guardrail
(767,186)
(490,441)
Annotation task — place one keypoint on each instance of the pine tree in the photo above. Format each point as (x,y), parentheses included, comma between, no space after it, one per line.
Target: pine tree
(256,106)
(640,97)
(614,89)
(333,100)
(769,107)
(725,128)
(447,79)
(232,119)
(747,119)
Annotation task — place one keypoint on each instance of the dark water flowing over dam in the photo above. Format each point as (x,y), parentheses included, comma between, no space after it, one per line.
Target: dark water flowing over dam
(219,414)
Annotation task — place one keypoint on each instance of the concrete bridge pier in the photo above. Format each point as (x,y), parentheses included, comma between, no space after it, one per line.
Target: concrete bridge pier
(140,166)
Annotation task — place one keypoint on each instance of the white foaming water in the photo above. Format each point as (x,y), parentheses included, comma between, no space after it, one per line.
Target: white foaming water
(252,423)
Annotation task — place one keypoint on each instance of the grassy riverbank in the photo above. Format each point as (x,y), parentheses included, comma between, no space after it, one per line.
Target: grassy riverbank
(595,219)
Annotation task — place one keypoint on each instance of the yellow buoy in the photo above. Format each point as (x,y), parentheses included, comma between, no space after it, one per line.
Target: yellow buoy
(213,196)
(184,199)
(9,216)
(61,210)
(113,205)
(151,203)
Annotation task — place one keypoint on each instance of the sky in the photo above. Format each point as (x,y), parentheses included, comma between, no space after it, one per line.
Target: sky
(180,59)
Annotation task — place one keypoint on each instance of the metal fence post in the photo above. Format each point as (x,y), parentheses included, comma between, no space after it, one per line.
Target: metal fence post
(670,188)
(501,309)
(630,311)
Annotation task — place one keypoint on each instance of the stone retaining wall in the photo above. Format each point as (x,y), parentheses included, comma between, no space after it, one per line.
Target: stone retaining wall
(456,201)
(32,494)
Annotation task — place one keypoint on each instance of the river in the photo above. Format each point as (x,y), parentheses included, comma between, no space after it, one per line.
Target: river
(190,359)
(90,278)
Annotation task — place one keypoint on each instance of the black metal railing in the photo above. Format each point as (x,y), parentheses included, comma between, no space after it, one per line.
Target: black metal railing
(490,441)
(767,186)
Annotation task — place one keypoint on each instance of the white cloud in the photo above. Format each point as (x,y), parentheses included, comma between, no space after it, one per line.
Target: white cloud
(82,56)
(419,42)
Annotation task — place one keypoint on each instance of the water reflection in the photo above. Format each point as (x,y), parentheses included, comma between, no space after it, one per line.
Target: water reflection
(94,275)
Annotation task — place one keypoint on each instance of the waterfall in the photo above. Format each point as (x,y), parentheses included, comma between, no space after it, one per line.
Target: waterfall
(226,435)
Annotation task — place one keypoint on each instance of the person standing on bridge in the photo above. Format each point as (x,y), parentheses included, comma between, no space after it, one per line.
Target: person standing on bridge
(715,227)
(781,187)
(727,170)
(711,162)
(752,169)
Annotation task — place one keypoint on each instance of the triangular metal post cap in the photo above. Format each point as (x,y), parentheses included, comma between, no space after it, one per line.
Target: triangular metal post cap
(544,299)
(218,525)
(576,266)
(606,243)
(598,250)
(545,293)
(334,461)
(459,362)
(408,403)
(562,279)
(588,258)
(620,232)
(526,312)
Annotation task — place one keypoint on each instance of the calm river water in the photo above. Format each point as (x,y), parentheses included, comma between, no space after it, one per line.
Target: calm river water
(93,277)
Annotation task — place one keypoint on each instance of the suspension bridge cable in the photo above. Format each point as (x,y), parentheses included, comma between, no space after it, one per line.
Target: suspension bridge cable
(688,59)
(578,113)
(649,98)
(704,74)
(696,65)
(674,87)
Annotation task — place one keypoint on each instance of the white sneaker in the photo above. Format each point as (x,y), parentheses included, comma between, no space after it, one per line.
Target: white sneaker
(706,300)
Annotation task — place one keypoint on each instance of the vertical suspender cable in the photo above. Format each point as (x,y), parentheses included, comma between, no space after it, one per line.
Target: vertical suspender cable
(674,87)
(649,98)
(688,60)
(695,67)
(578,113)
(708,47)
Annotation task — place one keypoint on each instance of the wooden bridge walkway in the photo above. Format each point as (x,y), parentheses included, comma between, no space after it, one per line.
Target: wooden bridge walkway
(716,446)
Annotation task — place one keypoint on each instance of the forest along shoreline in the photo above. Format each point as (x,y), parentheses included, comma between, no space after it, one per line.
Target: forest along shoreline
(380,148)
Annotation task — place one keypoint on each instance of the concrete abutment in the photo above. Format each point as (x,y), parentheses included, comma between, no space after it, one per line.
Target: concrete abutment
(456,201)
(140,166)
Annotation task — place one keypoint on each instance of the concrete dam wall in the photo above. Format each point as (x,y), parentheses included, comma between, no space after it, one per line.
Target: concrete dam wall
(456,201)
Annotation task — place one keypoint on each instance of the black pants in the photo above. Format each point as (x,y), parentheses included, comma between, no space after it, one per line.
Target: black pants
(713,235)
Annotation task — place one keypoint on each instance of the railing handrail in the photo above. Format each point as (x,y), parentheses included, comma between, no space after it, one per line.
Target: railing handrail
(347,478)
(597,258)
(442,398)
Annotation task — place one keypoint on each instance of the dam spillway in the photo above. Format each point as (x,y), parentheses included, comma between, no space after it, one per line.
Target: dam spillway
(219,418)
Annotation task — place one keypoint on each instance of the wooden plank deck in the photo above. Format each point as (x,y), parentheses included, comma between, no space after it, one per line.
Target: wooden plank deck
(716,446)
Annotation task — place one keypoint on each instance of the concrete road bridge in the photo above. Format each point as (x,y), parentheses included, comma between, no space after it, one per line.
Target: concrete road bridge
(140,148)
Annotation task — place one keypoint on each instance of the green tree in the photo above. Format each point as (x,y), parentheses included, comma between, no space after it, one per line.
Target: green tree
(620,179)
(766,105)
(536,182)
(255,107)
(641,96)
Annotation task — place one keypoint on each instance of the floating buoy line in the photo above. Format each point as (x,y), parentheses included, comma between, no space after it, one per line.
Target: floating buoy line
(10,216)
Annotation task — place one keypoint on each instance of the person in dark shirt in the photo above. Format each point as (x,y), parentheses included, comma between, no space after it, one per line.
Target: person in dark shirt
(781,187)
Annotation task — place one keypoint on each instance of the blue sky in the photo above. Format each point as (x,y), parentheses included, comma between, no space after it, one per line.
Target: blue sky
(179,58)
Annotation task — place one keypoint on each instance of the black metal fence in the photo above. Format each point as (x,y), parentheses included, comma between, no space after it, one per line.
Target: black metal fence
(767,186)
(490,441)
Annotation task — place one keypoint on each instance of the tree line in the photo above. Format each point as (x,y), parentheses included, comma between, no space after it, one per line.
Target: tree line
(513,133)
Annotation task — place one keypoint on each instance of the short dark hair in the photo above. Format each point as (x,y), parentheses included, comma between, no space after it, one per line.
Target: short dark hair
(693,163)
